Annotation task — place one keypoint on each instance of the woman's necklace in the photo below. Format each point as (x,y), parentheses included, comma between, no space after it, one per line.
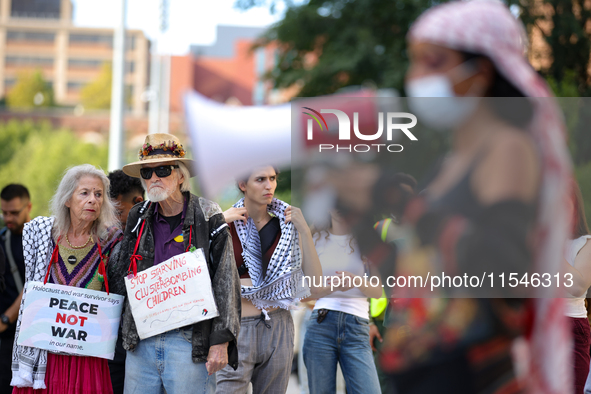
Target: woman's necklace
(78,247)
(73,258)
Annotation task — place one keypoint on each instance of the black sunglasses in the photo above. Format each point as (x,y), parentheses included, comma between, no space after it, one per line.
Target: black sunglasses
(161,171)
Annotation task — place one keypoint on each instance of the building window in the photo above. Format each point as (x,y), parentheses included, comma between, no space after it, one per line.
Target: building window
(92,39)
(29,61)
(29,36)
(130,67)
(45,9)
(128,94)
(9,82)
(130,42)
(86,63)
(75,86)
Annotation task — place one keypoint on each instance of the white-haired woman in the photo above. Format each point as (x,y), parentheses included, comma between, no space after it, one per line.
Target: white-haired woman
(70,248)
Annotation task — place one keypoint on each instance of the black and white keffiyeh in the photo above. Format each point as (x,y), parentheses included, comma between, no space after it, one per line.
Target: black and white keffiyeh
(29,364)
(282,285)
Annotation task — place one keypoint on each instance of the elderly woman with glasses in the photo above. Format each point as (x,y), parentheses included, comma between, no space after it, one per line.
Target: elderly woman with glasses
(81,237)
(171,221)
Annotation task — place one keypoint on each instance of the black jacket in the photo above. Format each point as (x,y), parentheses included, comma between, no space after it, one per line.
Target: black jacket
(210,233)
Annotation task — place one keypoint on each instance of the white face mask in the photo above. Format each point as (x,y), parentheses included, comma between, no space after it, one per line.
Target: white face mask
(434,102)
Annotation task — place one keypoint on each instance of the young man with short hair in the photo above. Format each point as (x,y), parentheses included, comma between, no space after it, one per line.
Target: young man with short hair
(15,203)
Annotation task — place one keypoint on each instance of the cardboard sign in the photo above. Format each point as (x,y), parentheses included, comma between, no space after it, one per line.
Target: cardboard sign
(172,294)
(70,319)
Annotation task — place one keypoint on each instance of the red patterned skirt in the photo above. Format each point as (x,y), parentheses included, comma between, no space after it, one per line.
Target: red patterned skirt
(73,375)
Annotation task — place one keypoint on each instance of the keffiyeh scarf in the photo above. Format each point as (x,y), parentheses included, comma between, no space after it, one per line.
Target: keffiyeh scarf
(282,285)
(489,28)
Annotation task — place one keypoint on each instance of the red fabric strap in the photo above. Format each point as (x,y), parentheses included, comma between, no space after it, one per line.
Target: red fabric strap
(54,256)
(190,238)
(135,257)
(101,269)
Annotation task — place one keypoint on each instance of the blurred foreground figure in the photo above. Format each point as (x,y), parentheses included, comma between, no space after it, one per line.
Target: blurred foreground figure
(495,204)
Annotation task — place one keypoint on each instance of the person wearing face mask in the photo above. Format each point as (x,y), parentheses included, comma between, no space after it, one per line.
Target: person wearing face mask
(494,204)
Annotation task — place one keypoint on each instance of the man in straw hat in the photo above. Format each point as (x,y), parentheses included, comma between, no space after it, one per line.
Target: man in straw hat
(168,224)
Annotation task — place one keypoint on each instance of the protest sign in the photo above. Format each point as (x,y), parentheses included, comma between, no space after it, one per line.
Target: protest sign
(70,319)
(172,294)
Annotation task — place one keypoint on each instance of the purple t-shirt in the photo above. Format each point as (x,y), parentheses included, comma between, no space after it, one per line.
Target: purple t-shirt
(166,243)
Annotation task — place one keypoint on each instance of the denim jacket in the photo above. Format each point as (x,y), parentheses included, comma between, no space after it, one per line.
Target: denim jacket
(210,232)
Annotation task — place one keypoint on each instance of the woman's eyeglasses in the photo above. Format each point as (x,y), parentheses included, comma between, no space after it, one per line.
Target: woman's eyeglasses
(161,171)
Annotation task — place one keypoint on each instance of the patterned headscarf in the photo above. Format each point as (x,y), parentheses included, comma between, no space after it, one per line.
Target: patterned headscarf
(488,28)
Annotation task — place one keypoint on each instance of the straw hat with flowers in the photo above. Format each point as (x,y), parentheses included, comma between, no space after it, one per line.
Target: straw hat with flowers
(159,148)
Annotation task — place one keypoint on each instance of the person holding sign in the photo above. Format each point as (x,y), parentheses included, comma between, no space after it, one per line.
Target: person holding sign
(266,234)
(159,234)
(71,248)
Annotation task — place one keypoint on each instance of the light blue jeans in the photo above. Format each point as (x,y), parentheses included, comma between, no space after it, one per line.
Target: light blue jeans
(340,338)
(163,362)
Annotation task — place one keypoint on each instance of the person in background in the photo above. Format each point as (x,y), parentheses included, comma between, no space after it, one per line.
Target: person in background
(271,263)
(577,262)
(16,205)
(338,330)
(126,191)
(378,308)
(71,248)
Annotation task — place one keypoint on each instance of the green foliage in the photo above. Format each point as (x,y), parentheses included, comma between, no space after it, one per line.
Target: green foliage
(39,156)
(97,94)
(569,39)
(567,87)
(30,91)
(327,45)
(577,114)
(13,135)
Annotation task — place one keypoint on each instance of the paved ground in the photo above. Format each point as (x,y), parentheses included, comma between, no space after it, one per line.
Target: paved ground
(293,387)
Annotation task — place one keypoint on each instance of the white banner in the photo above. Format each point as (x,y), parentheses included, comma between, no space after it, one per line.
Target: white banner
(70,319)
(172,294)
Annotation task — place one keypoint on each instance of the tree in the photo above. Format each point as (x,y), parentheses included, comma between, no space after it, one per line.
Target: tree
(97,94)
(564,24)
(30,91)
(39,157)
(328,45)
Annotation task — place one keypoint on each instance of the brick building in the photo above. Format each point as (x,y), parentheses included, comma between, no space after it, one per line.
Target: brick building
(39,34)
(229,71)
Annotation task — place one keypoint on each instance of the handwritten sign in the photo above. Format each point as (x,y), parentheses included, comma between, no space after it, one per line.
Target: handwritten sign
(172,294)
(70,320)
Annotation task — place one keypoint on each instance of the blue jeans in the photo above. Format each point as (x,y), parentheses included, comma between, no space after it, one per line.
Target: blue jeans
(163,362)
(341,338)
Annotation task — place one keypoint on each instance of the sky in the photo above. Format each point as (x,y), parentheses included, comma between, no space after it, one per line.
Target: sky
(190,21)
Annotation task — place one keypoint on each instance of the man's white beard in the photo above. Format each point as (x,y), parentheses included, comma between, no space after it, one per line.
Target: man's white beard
(157,194)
